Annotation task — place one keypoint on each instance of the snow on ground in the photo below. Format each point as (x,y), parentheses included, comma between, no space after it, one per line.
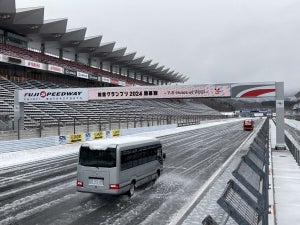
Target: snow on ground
(27,156)
(293,123)
(272,134)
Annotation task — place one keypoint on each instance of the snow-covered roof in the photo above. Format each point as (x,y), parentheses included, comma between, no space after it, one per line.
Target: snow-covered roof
(112,142)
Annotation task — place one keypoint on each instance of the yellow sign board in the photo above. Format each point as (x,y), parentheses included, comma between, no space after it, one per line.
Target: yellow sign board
(73,138)
(116,133)
(98,135)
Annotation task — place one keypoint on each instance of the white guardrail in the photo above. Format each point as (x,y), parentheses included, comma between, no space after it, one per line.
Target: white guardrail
(33,143)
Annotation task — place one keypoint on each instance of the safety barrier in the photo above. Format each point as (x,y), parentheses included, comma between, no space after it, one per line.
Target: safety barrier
(146,129)
(245,198)
(293,147)
(33,143)
(25,144)
(187,124)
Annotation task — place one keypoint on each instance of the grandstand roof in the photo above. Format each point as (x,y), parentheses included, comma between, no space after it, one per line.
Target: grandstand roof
(116,54)
(152,67)
(30,23)
(136,61)
(159,69)
(127,58)
(103,50)
(89,44)
(51,30)
(144,64)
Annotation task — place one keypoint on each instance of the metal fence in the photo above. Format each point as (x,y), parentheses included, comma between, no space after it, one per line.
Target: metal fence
(294,147)
(245,198)
(33,143)
(44,128)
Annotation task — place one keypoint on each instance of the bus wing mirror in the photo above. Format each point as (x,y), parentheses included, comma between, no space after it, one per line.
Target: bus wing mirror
(164,156)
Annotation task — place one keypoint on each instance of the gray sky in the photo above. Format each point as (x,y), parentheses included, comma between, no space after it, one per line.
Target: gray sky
(210,41)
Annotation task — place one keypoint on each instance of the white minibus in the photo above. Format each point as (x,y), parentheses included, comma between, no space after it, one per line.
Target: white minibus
(118,165)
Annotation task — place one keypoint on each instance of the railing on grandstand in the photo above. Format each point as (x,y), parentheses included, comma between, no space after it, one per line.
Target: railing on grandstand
(43,128)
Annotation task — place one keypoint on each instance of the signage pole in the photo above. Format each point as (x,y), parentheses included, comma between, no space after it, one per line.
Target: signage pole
(280,143)
(18,112)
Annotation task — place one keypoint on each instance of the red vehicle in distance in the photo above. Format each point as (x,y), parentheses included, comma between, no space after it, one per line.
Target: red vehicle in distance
(248,124)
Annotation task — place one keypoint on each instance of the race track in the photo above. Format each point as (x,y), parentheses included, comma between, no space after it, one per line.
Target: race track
(44,192)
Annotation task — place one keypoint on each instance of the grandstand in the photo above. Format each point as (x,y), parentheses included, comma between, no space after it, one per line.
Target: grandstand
(52,112)
(41,54)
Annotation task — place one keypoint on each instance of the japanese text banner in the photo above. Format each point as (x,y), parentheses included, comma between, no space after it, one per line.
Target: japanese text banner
(184,91)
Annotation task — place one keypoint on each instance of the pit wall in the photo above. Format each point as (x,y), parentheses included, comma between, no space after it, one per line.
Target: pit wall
(33,143)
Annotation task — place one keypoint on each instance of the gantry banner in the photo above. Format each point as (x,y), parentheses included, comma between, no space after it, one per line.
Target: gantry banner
(148,92)
(238,90)
(253,90)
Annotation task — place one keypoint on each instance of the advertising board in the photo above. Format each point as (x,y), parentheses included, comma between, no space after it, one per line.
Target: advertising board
(72,73)
(14,60)
(98,135)
(74,138)
(82,75)
(56,69)
(105,79)
(93,77)
(33,64)
(53,95)
(122,83)
(116,133)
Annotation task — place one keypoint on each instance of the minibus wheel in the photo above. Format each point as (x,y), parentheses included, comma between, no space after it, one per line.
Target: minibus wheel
(131,190)
(156,177)
(158,173)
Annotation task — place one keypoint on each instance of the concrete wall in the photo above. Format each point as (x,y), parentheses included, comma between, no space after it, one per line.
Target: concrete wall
(33,143)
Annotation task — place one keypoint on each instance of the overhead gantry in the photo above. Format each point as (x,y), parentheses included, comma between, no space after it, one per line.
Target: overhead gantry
(231,90)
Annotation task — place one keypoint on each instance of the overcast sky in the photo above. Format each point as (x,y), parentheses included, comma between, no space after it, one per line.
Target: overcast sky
(210,41)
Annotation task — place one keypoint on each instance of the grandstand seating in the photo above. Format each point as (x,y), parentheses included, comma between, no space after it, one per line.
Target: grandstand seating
(66,113)
(47,59)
